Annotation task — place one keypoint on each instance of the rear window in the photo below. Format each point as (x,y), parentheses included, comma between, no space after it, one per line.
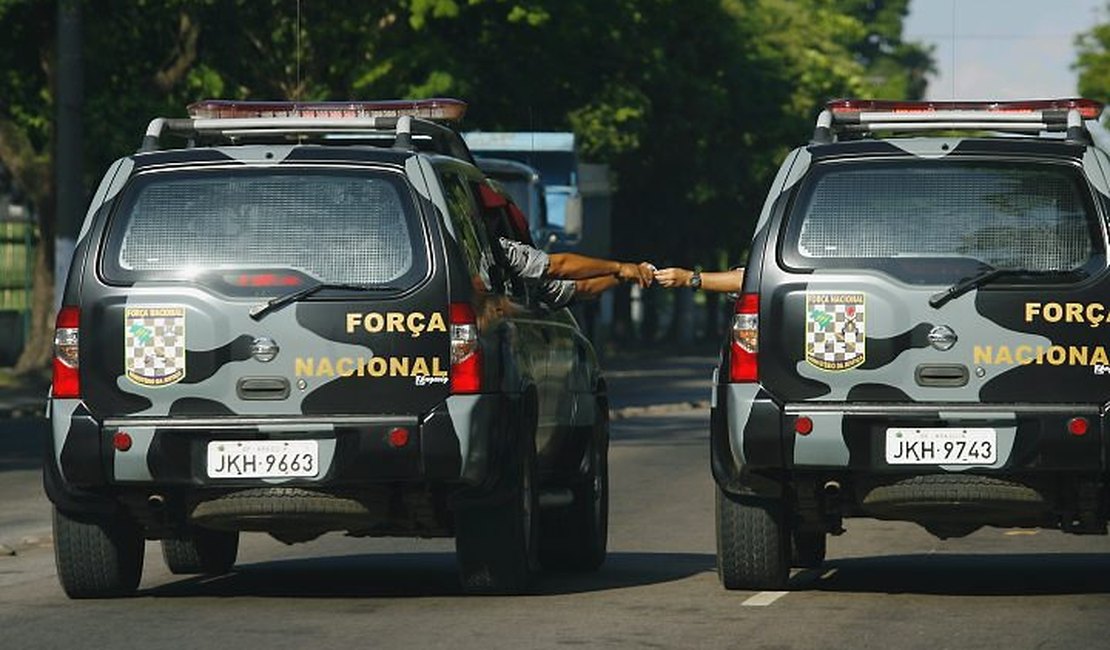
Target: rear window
(931,221)
(342,226)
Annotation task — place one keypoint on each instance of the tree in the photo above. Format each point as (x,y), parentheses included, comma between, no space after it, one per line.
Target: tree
(26,143)
(691,102)
(1093,62)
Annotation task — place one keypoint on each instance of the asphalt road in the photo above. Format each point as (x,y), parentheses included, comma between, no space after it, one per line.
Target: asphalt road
(886,585)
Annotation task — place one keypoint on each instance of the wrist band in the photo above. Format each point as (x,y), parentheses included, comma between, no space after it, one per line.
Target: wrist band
(695,279)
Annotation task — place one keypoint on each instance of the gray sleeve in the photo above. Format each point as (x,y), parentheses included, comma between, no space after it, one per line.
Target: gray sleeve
(557,293)
(525,261)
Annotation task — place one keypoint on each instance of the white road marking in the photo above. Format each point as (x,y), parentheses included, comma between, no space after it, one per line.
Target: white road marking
(763,598)
(1014,533)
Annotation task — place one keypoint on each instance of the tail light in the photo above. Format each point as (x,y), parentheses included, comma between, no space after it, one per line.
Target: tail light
(466,353)
(66,382)
(744,352)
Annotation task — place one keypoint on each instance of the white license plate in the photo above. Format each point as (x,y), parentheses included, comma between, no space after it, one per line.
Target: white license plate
(263,458)
(941,446)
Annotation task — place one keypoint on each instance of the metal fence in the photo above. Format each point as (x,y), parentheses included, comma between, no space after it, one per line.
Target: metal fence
(18,239)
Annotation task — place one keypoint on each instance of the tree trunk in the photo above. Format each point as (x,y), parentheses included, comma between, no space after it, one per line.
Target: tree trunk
(39,349)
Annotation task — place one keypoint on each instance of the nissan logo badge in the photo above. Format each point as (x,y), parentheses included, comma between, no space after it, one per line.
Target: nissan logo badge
(942,337)
(265,349)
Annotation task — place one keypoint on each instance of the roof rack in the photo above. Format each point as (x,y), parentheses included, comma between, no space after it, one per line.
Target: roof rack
(400,124)
(854,117)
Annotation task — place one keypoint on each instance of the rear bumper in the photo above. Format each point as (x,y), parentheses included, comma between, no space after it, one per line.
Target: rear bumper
(750,431)
(450,445)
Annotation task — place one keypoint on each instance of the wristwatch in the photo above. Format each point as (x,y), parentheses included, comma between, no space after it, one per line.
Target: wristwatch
(695,279)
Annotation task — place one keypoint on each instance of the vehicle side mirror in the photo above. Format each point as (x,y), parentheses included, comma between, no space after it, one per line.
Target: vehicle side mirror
(573,224)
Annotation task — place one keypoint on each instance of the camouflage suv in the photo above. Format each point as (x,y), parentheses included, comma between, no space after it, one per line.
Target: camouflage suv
(296,323)
(919,333)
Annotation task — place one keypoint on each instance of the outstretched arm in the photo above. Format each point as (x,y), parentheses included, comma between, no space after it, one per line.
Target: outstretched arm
(594,287)
(572,266)
(720,281)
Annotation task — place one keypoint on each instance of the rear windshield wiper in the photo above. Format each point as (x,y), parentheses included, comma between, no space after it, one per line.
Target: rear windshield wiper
(258,311)
(992,274)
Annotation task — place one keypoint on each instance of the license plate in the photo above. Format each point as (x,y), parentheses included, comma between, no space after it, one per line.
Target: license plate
(941,446)
(263,458)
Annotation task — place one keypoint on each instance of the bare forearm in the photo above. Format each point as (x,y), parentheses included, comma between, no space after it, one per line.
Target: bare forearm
(572,266)
(722,281)
(719,281)
(593,287)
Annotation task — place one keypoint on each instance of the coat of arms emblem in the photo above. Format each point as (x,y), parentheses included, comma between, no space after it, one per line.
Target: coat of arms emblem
(835,330)
(154,345)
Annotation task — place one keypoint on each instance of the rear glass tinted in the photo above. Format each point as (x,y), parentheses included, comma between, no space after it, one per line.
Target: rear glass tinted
(343,226)
(940,220)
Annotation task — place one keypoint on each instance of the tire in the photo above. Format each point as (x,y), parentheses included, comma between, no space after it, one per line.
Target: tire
(753,544)
(808,549)
(202,550)
(495,541)
(97,557)
(575,538)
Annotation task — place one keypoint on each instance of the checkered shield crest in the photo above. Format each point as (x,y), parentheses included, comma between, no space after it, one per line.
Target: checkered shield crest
(154,345)
(835,326)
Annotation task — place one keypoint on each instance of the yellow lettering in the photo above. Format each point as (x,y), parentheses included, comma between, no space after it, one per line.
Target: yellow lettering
(395,322)
(982,354)
(416,324)
(398,366)
(1077,355)
(303,367)
(377,367)
(436,370)
(419,366)
(1031,310)
(1024,354)
(361,370)
(373,322)
(1053,312)
(1099,356)
(1074,312)
(352,322)
(435,323)
(324,368)
(345,367)
(1095,314)
(1003,356)
(1057,355)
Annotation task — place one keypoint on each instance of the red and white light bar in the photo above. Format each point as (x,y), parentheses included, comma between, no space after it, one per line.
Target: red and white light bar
(1089,109)
(439,109)
(1024,116)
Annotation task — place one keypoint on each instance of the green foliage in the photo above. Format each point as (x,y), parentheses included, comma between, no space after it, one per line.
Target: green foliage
(692,102)
(1093,62)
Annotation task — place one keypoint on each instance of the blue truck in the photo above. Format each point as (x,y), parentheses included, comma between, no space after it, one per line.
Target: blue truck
(574,213)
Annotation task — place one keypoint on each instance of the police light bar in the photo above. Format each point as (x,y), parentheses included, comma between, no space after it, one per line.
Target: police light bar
(1031,116)
(438,109)
(1089,109)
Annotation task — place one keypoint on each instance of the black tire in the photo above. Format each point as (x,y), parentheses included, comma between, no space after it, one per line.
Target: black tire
(97,557)
(496,541)
(202,550)
(808,549)
(575,538)
(753,543)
